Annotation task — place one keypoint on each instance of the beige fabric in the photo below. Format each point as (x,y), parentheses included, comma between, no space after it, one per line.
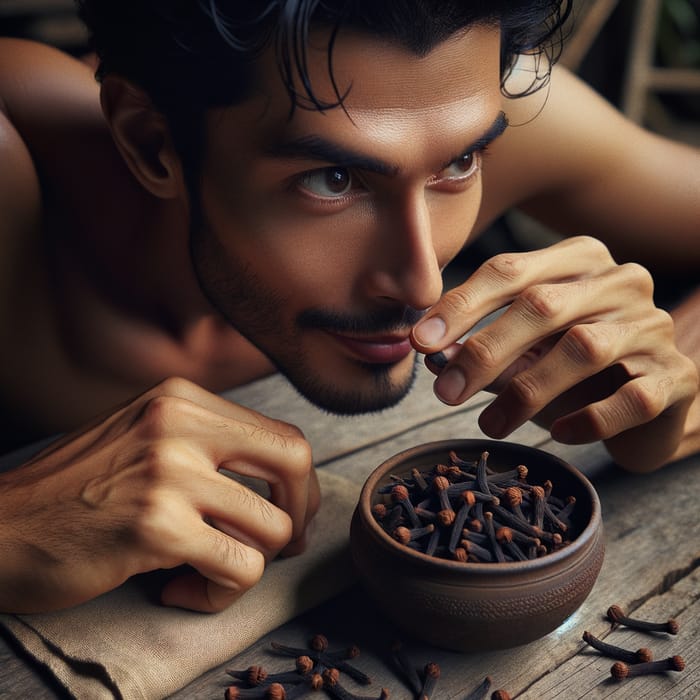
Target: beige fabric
(124,645)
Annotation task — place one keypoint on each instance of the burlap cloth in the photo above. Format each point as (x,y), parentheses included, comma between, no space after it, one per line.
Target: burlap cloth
(124,645)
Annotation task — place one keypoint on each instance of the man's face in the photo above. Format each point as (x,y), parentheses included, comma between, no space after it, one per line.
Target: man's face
(325,234)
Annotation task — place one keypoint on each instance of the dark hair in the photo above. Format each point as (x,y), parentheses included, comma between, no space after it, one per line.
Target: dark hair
(190,55)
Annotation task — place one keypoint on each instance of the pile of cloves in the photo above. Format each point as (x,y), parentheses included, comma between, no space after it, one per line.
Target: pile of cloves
(468,512)
(316,668)
(638,662)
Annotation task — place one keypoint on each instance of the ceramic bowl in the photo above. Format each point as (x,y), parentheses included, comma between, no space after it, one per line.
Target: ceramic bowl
(464,606)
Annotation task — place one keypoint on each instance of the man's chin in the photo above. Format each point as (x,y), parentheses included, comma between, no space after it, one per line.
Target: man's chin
(379,392)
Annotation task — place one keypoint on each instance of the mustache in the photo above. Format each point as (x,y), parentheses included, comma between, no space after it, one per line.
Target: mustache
(377,321)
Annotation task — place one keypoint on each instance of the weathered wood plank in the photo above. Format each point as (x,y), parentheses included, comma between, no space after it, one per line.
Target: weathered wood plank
(331,436)
(587,674)
(646,552)
(628,577)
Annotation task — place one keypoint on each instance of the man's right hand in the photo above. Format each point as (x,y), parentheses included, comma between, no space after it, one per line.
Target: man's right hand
(141,490)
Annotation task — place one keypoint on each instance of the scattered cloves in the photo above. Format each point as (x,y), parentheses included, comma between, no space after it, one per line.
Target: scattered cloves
(431,676)
(617,617)
(500,694)
(642,655)
(620,670)
(405,667)
(439,359)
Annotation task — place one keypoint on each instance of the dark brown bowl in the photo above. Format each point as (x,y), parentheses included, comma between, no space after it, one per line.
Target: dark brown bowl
(478,606)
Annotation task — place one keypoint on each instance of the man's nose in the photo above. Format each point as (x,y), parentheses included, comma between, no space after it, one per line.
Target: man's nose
(404,262)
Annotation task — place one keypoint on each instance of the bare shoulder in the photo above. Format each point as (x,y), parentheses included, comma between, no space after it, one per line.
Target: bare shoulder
(35,78)
(575,162)
(52,102)
(557,138)
(49,101)
(20,195)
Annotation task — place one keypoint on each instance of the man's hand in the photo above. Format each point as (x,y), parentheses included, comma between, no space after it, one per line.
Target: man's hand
(141,490)
(581,348)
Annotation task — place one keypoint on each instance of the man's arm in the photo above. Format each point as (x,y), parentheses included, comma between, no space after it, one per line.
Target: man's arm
(582,347)
(582,167)
(139,488)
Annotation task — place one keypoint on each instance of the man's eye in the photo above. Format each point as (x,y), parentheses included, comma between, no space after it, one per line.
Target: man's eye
(327,182)
(461,168)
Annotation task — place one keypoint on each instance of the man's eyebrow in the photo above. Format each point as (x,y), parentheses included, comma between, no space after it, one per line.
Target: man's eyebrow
(499,125)
(314,147)
(318,148)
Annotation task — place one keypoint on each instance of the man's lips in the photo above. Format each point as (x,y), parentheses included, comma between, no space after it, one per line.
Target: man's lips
(384,349)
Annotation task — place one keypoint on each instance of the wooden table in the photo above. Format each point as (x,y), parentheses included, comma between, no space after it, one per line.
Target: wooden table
(652,531)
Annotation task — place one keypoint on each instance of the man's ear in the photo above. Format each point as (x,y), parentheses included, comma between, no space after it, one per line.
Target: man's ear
(142,135)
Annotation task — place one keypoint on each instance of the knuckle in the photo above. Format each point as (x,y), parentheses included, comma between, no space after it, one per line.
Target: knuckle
(542,301)
(480,350)
(158,415)
(646,399)
(595,248)
(639,276)
(587,346)
(506,267)
(174,386)
(456,300)
(691,372)
(525,390)
(664,321)
(299,455)
(598,423)
(155,456)
(291,431)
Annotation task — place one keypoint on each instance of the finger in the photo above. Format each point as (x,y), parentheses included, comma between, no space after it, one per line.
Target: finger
(242,513)
(538,313)
(193,591)
(252,448)
(226,569)
(498,281)
(582,353)
(635,403)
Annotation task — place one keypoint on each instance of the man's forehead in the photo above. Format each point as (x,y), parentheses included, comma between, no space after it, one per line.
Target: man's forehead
(374,73)
(392,96)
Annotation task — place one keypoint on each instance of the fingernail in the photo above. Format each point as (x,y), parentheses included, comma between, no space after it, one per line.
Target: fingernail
(430,331)
(449,386)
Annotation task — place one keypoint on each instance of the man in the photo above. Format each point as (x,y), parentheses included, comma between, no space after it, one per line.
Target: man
(243,193)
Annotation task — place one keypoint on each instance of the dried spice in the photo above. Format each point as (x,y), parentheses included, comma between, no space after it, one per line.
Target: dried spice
(316,668)
(617,617)
(319,669)
(635,663)
(467,512)
(620,670)
(424,688)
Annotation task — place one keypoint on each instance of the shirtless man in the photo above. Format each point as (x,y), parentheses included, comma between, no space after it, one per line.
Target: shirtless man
(202,217)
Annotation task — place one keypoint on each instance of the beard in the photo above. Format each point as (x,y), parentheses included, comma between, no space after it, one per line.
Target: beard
(298,347)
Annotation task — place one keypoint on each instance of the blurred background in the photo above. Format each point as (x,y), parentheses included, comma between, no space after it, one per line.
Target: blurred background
(642,55)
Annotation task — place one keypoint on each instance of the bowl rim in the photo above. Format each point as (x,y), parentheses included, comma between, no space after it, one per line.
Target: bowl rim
(582,541)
